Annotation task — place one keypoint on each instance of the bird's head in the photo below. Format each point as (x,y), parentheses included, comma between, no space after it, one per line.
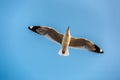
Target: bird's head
(68,30)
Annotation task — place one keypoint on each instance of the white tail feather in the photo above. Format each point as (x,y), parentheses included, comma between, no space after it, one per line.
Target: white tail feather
(63,54)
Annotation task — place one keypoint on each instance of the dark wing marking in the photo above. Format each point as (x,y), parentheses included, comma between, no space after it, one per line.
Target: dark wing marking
(84,43)
(48,32)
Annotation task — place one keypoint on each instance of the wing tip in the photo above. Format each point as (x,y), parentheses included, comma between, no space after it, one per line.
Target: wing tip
(33,28)
(98,50)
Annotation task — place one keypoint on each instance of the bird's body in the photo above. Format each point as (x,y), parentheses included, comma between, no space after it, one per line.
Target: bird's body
(65,43)
(65,40)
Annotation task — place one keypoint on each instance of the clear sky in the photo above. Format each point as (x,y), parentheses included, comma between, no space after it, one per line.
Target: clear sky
(25,55)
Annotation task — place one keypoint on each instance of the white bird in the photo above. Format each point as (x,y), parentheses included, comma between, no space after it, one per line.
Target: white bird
(65,40)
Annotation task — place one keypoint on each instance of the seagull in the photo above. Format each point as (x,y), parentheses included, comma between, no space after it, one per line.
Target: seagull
(65,40)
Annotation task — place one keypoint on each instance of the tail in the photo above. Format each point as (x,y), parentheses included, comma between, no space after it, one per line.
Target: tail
(63,53)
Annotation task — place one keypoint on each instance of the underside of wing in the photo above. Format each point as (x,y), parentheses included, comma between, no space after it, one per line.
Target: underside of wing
(84,43)
(48,32)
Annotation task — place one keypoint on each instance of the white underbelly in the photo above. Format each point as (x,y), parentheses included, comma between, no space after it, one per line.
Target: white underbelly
(65,43)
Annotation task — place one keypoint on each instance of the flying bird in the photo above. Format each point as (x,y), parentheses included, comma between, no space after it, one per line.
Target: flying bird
(65,40)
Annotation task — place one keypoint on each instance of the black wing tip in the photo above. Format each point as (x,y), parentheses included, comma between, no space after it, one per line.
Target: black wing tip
(33,28)
(98,50)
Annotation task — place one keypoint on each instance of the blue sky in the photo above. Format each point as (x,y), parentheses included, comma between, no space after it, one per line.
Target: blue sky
(25,55)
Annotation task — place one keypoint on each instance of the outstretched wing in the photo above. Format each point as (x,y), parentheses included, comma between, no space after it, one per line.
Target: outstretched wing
(84,43)
(48,32)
